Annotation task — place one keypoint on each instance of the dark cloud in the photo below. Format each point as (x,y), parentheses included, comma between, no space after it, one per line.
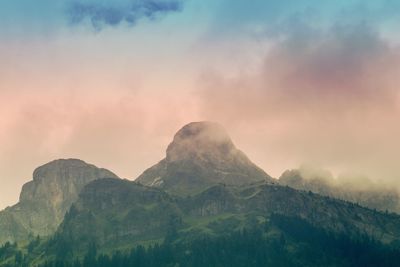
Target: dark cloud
(344,66)
(130,12)
(323,92)
(341,63)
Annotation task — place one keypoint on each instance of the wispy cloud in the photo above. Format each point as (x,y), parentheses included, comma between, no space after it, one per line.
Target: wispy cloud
(103,14)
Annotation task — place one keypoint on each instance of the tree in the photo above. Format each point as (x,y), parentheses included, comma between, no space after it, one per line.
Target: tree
(18,258)
(90,258)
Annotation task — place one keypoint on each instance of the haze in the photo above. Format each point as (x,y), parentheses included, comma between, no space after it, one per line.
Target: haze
(293,82)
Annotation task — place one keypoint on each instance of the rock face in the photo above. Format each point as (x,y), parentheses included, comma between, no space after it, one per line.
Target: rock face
(115,213)
(364,192)
(45,200)
(201,154)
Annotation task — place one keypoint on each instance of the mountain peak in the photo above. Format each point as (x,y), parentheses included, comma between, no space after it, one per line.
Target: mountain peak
(199,140)
(201,155)
(41,172)
(60,168)
(60,178)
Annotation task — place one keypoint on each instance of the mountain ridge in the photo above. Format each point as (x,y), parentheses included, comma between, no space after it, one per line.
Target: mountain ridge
(117,214)
(366,193)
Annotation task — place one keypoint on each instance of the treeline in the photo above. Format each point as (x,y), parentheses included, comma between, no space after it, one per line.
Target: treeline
(318,247)
(282,241)
(244,248)
(10,251)
(12,255)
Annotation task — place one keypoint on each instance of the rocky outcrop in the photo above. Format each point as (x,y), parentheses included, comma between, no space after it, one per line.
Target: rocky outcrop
(114,213)
(201,154)
(45,200)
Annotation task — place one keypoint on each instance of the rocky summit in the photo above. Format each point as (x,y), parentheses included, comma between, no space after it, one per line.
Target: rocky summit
(201,155)
(45,200)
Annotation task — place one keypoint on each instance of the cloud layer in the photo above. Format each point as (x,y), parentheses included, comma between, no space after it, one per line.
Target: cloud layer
(325,90)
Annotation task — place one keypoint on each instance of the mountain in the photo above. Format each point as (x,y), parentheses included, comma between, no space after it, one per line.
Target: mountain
(120,214)
(363,191)
(207,204)
(204,186)
(201,154)
(44,201)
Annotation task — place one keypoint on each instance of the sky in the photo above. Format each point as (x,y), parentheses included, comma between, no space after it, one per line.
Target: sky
(293,81)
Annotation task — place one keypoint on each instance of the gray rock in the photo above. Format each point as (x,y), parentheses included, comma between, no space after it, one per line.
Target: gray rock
(45,200)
